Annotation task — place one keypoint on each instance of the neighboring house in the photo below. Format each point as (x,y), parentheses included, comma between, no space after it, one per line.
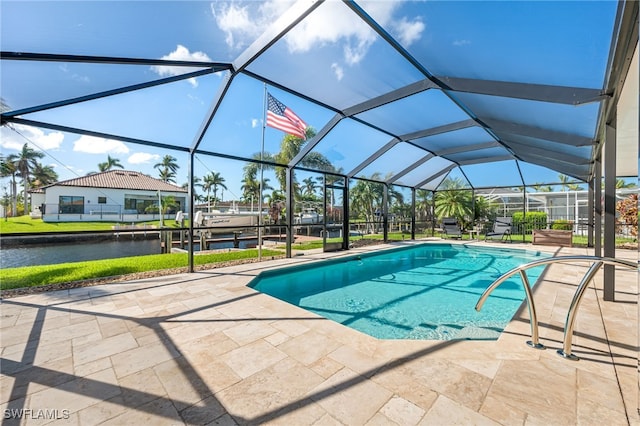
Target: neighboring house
(560,205)
(115,195)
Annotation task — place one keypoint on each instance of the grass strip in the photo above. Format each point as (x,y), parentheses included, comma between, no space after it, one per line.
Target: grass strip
(24,224)
(33,276)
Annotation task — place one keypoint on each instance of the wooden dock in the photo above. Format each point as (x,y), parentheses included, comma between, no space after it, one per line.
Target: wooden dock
(235,240)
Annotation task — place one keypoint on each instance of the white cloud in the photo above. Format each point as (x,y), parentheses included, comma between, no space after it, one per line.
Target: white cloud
(337,70)
(408,31)
(461,42)
(142,158)
(180,54)
(42,141)
(93,145)
(234,21)
(242,24)
(255,123)
(327,25)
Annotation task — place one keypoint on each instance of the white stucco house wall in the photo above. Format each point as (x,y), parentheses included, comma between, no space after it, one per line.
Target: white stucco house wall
(115,195)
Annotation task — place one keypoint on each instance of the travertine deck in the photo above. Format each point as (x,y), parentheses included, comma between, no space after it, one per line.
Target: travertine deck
(203,348)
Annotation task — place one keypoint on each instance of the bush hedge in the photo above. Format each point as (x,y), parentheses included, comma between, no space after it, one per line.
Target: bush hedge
(530,221)
(562,224)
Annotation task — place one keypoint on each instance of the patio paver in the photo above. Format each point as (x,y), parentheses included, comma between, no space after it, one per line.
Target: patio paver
(203,348)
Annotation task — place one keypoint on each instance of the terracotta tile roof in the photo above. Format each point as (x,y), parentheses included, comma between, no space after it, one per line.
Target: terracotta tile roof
(120,179)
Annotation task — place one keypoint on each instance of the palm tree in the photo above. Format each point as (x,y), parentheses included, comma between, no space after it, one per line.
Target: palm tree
(621,184)
(168,168)
(366,199)
(167,204)
(574,187)
(5,202)
(166,175)
(251,188)
(397,205)
(453,201)
(196,184)
(484,209)
(43,175)
(309,188)
(331,179)
(213,181)
(538,187)
(396,198)
(110,164)
(564,182)
(8,168)
(276,195)
(25,160)
(424,199)
(290,146)
(275,201)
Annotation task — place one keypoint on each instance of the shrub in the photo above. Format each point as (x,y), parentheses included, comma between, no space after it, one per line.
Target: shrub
(532,220)
(562,224)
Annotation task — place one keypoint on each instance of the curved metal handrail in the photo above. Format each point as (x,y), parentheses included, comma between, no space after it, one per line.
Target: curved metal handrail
(573,308)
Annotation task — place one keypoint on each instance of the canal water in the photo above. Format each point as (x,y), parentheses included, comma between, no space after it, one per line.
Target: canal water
(51,254)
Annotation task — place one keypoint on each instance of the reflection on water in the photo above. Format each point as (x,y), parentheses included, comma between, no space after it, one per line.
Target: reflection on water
(50,254)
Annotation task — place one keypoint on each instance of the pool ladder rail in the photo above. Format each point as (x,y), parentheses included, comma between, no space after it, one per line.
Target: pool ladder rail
(597,263)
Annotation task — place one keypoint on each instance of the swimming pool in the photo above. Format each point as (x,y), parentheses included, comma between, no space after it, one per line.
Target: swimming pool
(426,291)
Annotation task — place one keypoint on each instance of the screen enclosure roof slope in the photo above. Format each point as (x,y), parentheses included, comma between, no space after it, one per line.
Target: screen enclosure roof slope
(404,93)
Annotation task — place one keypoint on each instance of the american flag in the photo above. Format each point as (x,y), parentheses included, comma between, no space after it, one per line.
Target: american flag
(282,118)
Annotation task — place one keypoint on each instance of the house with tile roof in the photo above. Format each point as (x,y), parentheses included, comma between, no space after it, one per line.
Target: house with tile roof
(114,195)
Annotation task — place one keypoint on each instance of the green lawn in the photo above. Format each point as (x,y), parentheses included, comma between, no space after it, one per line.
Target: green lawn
(578,240)
(24,224)
(32,276)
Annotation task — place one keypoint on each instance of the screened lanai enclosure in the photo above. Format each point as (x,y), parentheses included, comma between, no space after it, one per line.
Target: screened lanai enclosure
(333,119)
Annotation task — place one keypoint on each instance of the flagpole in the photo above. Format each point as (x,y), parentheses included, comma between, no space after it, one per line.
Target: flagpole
(264,125)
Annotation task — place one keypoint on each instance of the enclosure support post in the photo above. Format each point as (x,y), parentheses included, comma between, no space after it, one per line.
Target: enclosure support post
(597,211)
(524,212)
(346,226)
(413,213)
(609,211)
(289,216)
(385,212)
(590,211)
(473,207)
(433,213)
(190,196)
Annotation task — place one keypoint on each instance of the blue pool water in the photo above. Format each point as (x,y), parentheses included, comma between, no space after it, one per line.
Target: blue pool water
(427,291)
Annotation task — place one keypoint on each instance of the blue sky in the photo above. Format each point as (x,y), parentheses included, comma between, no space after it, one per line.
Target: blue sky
(220,31)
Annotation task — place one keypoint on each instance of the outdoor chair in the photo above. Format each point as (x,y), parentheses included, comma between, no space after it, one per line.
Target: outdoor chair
(451,228)
(501,229)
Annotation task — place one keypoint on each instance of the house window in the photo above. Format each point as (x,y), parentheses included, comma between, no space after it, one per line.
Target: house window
(71,204)
(102,200)
(149,205)
(130,203)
